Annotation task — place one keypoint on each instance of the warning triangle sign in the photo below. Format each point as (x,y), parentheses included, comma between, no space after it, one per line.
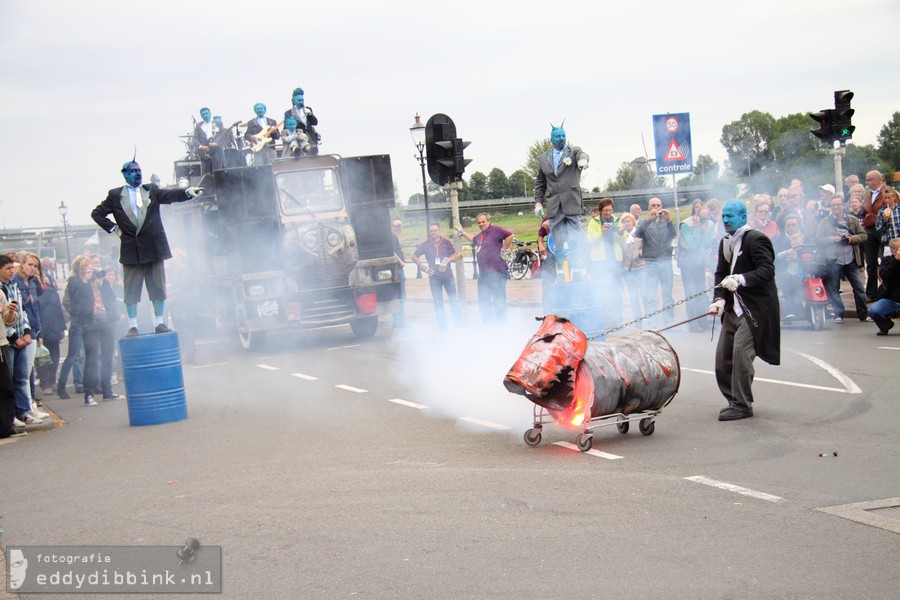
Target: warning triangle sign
(673,152)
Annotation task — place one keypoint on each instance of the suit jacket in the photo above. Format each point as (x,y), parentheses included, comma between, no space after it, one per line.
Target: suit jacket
(756,262)
(142,235)
(253,128)
(563,188)
(870,211)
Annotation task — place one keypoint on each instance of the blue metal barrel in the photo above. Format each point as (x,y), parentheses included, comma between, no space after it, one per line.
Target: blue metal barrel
(581,303)
(154,383)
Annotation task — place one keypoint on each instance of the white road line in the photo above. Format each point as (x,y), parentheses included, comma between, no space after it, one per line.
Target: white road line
(852,388)
(407,403)
(780,382)
(306,377)
(887,348)
(350,388)
(343,347)
(208,366)
(734,488)
(592,452)
(267,367)
(484,423)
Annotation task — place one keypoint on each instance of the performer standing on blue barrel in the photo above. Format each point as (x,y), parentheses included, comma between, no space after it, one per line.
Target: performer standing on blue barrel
(144,246)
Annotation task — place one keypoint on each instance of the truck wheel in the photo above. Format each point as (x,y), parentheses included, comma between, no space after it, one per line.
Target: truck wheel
(252,340)
(364,327)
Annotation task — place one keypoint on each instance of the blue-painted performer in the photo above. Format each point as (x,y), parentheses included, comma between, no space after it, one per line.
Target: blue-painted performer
(747,301)
(144,247)
(306,120)
(557,193)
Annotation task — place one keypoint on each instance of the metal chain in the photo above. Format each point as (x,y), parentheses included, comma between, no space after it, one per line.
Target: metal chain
(653,314)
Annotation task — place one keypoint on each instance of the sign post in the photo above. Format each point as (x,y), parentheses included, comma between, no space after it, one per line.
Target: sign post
(672,139)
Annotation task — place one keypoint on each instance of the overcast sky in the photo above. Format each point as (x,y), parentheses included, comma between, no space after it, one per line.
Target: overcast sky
(84,82)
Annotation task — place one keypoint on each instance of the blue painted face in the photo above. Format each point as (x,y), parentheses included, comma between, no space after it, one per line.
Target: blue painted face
(131,171)
(734,216)
(260,109)
(297,99)
(558,138)
(290,123)
(218,121)
(205,114)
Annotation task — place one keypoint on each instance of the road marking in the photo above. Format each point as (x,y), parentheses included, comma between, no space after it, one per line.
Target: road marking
(851,387)
(484,423)
(780,382)
(407,403)
(734,488)
(887,348)
(350,388)
(343,347)
(267,367)
(208,366)
(306,377)
(592,452)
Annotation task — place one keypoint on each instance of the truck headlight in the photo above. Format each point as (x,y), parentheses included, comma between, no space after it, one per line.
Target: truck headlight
(256,290)
(384,275)
(310,241)
(333,239)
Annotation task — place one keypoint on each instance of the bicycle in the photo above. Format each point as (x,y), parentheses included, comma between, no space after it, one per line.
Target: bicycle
(524,263)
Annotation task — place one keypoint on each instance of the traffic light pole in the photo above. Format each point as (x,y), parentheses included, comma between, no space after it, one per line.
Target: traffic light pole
(452,187)
(838,171)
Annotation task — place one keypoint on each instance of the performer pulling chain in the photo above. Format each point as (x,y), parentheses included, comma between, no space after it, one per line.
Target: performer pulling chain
(747,302)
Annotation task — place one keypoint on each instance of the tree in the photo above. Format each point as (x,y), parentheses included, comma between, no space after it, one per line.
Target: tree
(497,184)
(521,183)
(478,186)
(747,142)
(534,155)
(706,171)
(889,142)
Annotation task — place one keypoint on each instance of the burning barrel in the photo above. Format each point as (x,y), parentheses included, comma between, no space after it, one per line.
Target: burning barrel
(576,379)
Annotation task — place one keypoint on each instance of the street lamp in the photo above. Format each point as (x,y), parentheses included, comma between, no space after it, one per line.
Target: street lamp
(64,210)
(417,131)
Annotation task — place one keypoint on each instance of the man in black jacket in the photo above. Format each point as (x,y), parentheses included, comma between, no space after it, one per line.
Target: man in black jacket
(887,298)
(747,301)
(135,208)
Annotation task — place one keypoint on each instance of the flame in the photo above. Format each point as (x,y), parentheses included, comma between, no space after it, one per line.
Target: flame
(579,412)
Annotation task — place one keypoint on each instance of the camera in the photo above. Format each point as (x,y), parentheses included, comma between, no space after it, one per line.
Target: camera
(99,273)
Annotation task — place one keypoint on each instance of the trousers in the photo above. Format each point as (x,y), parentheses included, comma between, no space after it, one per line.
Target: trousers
(734,361)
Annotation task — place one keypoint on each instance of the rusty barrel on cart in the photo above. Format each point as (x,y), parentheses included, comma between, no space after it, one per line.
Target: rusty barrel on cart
(154,382)
(563,371)
(632,373)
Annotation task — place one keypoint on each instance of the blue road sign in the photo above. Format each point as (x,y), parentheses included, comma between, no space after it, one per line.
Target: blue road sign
(672,135)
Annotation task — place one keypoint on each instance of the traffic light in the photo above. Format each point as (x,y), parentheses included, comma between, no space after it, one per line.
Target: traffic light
(446,160)
(826,131)
(439,134)
(843,114)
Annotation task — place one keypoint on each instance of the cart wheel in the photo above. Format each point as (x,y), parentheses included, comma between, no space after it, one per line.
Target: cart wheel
(533,437)
(622,426)
(584,442)
(647,426)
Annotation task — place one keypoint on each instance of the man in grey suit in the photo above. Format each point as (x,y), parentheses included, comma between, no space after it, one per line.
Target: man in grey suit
(558,186)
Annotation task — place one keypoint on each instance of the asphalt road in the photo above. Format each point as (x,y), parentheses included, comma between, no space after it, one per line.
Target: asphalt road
(326,467)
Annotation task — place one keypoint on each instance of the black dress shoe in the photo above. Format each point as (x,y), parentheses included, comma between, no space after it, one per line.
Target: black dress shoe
(161,328)
(880,332)
(63,394)
(132,332)
(733,414)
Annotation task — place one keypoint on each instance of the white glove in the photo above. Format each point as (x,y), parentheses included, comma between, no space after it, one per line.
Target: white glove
(194,192)
(539,210)
(582,163)
(731,283)
(717,307)
(307,111)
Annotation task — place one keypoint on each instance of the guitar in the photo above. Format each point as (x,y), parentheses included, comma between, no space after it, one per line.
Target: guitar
(263,138)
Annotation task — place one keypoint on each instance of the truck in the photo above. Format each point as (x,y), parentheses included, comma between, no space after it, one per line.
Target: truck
(300,243)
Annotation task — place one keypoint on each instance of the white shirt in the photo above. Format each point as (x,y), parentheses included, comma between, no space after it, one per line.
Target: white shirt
(134,197)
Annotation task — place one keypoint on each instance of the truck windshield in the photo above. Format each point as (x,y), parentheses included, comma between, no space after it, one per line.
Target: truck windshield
(308,192)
